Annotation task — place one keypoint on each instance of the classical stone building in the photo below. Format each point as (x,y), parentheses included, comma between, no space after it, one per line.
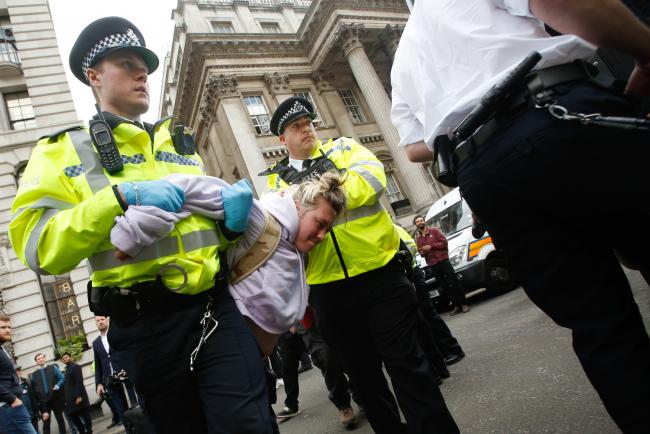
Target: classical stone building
(35,101)
(233,61)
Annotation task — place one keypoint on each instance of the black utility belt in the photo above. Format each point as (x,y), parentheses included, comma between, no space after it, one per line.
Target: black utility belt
(536,89)
(127,304)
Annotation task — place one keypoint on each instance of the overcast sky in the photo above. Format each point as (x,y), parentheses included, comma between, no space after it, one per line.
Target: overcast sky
(153,18)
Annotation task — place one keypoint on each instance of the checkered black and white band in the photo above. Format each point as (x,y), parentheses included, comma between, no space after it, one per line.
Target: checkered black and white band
(128,39)
(297,107)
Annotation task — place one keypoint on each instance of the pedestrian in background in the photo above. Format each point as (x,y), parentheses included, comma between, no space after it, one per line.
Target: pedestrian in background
(432,246)
(28,397)
(47,381)
(76,398)
(107,363)
(14,416)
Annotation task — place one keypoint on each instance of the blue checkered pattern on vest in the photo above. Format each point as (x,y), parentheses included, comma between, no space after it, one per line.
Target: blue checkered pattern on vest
(72,171)
(168,157)
(133,159)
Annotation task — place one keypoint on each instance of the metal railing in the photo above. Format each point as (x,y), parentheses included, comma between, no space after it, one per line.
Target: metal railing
(8,53)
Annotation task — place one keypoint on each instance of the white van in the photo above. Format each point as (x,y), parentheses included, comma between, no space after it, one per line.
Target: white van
(477,262)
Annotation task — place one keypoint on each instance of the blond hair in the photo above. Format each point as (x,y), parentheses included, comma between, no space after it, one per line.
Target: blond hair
(329,186)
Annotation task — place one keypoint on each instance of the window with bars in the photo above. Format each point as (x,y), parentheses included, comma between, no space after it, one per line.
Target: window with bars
(61,306)
(352,106)
(222,27)
(393,192)
(270,27)
(318,121)
(21,112)
(259,114)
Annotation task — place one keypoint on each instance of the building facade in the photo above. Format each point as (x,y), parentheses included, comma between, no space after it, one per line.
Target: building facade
(35,101)
(233,61)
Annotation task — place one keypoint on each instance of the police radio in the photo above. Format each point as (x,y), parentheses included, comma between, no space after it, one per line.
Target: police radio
(102,137)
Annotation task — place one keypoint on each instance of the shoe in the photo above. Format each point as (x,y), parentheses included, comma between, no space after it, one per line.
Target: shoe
(454,358)
(304,368)
(445,374)
(279,383)
(347,418)
(456,311)
(464,308)
(114,423)
(287,412)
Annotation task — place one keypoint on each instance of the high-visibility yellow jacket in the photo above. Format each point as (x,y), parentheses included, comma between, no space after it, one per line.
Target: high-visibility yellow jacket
(65,208)
(363,237)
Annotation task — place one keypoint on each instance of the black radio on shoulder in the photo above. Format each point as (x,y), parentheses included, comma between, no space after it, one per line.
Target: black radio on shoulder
(183,139)
(102,137)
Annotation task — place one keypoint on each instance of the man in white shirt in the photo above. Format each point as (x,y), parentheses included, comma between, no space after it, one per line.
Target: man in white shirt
(532,177)
(107,363)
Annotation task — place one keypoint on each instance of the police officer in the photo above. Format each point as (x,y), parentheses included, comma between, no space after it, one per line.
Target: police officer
(366,306)
(543,185)
(76,184)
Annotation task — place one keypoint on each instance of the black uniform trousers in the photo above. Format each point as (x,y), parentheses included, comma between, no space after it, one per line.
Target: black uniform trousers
(558,198)
(370,319)
(225,393)
(292,347)
(331,366)
(446,342)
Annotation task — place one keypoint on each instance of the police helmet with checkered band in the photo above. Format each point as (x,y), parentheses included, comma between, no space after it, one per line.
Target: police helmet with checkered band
(289,110)
(105,36)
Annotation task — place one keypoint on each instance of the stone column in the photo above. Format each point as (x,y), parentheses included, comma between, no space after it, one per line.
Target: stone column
(411,174)
(5,124)
(323,81)
(278,85)
(224,90)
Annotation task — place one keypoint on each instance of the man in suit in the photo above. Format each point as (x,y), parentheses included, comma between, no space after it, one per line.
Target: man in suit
(76,398)
(106,364)
(14,417)
(47,381)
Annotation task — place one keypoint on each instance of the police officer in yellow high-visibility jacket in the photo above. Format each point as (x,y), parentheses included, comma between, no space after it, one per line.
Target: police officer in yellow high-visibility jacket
(65,209)
(366,307)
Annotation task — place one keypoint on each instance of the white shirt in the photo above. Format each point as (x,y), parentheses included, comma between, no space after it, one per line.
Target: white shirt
(451,53)
(297,164)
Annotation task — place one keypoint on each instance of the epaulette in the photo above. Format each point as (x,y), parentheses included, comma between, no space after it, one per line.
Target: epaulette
(58,133)
(277,167)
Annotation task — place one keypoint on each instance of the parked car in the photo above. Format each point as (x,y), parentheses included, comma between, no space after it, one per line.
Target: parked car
(477,262)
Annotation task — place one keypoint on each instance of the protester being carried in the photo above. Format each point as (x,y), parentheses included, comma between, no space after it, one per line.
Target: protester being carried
(273,295)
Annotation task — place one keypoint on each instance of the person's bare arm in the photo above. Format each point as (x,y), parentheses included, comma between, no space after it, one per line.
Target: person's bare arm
(604,23)
(418,152)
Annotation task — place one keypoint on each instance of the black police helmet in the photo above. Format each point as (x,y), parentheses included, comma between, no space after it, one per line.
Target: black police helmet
(105,36)
(290,109)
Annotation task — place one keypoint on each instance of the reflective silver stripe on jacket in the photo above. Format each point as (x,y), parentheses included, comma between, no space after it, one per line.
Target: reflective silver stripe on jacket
(51,207)
(374,182)
(95,176)
(358,213)
(44,202)
(31,249)
(166,247)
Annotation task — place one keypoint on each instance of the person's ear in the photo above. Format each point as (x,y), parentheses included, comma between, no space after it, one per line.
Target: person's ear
(283,140)
(93,77)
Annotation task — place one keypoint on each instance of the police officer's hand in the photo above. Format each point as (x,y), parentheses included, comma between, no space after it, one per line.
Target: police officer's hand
(45,415)
(161,194)
(237,204)
(100,390)
(639,82)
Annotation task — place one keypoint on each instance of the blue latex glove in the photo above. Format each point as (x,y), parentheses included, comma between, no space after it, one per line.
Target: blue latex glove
(161,194)
(237,204)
